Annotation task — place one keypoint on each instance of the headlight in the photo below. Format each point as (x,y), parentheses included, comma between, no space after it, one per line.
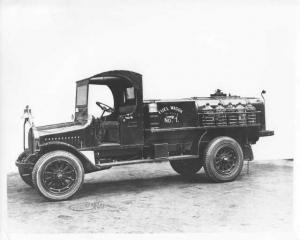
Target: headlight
(30,141)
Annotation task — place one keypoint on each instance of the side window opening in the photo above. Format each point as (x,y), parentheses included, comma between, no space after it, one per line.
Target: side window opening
(129,96)
(129,93)
(99,93)
(129,101)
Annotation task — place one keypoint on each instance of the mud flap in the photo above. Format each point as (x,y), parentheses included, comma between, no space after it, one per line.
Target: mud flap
(248,153)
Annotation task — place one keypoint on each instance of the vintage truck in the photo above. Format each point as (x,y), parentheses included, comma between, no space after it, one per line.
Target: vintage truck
(213,132)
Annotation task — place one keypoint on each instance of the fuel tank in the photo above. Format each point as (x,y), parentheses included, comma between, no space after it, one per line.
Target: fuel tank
(216,110)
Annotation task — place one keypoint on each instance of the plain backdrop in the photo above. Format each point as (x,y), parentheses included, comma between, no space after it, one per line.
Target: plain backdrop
(182,48)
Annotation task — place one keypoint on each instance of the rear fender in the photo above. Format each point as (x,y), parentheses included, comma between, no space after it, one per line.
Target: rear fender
(206,137)
(203,140)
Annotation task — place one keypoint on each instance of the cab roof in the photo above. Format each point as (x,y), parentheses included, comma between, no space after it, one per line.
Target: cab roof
(115,78)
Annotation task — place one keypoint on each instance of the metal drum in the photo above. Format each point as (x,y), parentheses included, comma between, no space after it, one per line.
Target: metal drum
(251,113)
(208,116)
(220,115)
(232,117)
(241,110)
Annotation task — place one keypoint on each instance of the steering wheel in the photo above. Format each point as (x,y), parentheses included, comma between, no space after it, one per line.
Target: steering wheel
(104,107)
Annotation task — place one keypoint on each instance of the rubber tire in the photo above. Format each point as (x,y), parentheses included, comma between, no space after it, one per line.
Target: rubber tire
(45,159)
(22,170)
(209,154)
(187,168)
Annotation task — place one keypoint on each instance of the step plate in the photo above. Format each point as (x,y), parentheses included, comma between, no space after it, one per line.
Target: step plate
(139,161)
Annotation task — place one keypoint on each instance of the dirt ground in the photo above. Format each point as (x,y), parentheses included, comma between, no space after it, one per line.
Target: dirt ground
(153,198)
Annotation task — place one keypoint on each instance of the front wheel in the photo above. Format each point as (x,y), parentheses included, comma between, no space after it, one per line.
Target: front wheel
(58,175)
(223,159)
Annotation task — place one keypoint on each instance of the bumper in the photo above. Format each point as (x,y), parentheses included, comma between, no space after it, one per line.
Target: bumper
(266,133)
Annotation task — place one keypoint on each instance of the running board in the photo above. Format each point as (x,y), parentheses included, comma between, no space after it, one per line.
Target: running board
(162,159)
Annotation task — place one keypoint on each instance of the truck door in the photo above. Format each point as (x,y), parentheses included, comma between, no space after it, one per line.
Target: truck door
(131,119)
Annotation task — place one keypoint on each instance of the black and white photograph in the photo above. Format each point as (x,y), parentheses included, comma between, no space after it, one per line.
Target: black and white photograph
(149,119)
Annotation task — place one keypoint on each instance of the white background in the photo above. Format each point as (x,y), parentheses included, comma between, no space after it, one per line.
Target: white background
(182,48)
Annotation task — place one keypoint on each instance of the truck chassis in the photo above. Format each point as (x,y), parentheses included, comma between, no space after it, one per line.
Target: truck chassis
(139,131)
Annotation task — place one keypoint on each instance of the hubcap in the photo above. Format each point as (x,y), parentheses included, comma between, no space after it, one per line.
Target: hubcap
(225,160)
(59,176)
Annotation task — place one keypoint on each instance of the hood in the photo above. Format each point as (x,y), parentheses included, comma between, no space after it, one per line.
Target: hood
(59,128)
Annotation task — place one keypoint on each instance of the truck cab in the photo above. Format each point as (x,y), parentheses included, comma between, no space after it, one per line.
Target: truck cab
(124,124)
(214,132)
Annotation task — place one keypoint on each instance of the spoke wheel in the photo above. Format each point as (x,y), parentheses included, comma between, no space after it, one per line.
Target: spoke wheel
(58,175)
(223,159)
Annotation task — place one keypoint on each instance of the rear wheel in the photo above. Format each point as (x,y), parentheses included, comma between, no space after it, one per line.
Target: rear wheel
(186,168)
(223,159)
(58,175)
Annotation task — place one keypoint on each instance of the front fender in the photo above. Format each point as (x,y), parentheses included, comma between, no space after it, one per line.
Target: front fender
(88,165)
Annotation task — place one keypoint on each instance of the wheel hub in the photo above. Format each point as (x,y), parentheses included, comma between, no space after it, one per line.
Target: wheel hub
(225,160)
(59,176)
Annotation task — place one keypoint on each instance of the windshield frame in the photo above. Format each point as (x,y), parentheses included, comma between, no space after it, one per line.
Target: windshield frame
(86,92)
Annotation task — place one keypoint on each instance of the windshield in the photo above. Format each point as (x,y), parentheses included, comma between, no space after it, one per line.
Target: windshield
(81,95)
